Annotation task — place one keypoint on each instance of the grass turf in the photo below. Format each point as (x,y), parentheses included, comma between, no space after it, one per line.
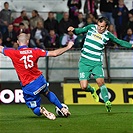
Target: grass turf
(84,119)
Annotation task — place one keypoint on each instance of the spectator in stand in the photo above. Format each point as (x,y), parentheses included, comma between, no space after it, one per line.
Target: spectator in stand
(10,37)
(81,21)
(130,20)
(70,36)
(64,23)
(74,7)
(91,6)
(19,19)
(23,29)
(90,20)
(106,8)
(53,43)
(39,36)
(120,15)
(113,31)
(26,23)
(51,23)
(94,20)
(5,18)
(129,36)
(34,19)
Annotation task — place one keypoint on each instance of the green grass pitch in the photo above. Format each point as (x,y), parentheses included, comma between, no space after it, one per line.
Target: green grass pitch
(84,119)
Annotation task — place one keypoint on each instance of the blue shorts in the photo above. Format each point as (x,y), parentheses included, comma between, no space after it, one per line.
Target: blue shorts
(33,90)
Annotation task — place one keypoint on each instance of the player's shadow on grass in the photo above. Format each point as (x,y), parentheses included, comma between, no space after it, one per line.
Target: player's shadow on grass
(36,117)
(43,117)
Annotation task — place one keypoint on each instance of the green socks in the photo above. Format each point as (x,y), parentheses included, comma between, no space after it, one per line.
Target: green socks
(104,93)
(89,89)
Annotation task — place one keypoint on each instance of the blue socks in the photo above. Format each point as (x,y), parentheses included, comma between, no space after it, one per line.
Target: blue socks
(53,99)
(37,111)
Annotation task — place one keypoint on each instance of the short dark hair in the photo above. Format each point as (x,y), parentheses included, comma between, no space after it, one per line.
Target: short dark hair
(50,12)
(35,11)
(21,24)
(22,11)
(105,20)
(6,3)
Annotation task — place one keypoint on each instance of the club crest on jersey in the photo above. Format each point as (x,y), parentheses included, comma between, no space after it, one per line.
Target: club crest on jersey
(97,36)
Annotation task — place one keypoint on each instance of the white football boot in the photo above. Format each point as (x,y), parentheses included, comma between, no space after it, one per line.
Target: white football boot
(65,112)
(47,114)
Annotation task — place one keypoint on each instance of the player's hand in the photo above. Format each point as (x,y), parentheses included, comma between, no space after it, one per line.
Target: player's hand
(70,28)
(70,44)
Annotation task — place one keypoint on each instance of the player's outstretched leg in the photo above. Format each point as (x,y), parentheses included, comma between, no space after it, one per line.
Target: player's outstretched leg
(94,95)
(47,114)
(65,112)
(53,99)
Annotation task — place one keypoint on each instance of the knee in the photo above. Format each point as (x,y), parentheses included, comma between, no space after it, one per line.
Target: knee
(84,84)
(83,87)
(100,82)
(36,111)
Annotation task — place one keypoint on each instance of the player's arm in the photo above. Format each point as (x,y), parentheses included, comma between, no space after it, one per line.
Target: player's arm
(79,30)
(120,42)
(60,51)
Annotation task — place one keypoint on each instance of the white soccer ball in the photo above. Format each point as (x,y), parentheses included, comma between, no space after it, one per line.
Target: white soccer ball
(58,111)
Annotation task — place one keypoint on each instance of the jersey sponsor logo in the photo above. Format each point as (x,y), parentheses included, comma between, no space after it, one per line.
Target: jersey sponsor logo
(26,52)
(39,90)
(97,36)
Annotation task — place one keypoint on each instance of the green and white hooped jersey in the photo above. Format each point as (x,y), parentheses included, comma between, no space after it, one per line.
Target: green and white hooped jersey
(94,44)
(92,51)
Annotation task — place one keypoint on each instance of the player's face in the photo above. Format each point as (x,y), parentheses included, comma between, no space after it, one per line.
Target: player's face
(101,27)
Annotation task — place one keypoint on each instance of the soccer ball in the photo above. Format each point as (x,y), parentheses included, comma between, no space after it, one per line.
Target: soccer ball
(58,111)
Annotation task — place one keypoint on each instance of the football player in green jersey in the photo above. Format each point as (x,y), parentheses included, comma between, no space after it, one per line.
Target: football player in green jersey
(90,62)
